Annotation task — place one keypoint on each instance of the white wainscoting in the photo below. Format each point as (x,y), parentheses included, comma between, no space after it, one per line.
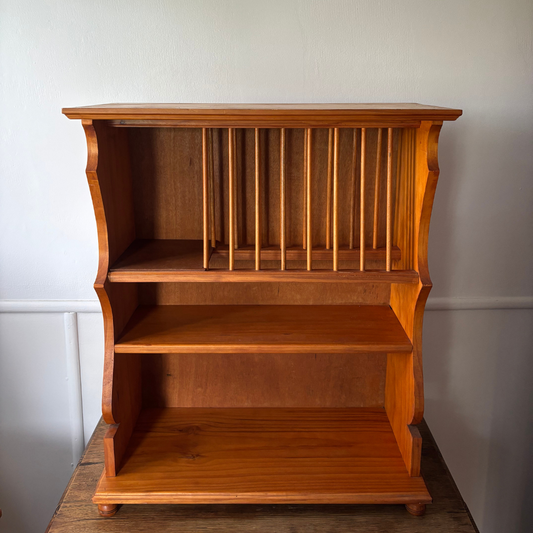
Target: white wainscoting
(476,351)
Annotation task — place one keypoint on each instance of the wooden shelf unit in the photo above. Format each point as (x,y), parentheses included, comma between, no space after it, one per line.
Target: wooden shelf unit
(263,276)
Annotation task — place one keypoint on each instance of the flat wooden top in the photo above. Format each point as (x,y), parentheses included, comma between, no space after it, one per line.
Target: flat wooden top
(76,513)
(311,114)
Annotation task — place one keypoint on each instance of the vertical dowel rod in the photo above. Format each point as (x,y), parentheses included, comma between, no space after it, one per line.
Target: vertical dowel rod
(257,202)
(205,197)
(211,189)
(376,190)
(389,199)
(304,202)
(353,192)
(231,200)
(408,198)
(412,200)
(236,191)
(362,205)
(309,203)
(336,201)
(328,189)
(282,223)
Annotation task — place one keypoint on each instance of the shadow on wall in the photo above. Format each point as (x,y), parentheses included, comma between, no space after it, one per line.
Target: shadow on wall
(29,492)
(479,406)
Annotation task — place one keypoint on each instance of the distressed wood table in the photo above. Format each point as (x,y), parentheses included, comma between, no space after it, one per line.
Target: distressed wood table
(76,513)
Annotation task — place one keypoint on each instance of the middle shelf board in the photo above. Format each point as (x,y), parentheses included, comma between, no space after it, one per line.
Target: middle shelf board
(263,329)
(171,260)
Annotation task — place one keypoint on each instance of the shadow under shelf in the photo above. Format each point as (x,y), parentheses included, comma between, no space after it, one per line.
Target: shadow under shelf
(172,260)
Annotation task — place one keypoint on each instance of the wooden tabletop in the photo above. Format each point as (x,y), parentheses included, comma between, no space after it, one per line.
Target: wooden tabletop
(76,513)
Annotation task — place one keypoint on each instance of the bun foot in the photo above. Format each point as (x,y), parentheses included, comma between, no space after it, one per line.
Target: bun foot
(107,510)
(416,509)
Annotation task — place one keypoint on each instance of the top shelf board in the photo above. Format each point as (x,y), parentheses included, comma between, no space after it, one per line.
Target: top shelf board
(264,115)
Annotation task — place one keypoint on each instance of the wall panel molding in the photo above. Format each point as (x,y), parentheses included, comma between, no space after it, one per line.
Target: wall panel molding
(50,306)
(434,304)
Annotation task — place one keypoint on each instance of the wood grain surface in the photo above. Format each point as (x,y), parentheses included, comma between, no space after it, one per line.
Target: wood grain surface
(76,513)
(263,329)
(263,115)
(253,455)
(263,380)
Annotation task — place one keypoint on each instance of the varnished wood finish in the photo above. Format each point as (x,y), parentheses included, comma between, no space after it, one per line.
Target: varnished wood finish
(328,188)
(107,510)
(309,199)
(264,380)
(404,397)
(353,192)
(304,190)
(282,202)
(268,115)
(335,201)
(231,189)
(362,197)
(250,275)
(263,329)
(416,509)
(108,174)
(296,253)
(388,259)
(377,183)
(257,169)
(159,260)
(167,185)
(211,190)
(188,198)
(274,293)
(75,511)
(205,199)
(230,456)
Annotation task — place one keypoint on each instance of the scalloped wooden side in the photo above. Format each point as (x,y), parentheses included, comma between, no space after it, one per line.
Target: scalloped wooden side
(108,174)
(404,393)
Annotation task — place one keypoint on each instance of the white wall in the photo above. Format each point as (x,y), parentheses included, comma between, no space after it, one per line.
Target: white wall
(475,55)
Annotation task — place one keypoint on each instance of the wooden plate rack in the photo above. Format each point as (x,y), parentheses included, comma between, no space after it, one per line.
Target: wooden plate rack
(263,276)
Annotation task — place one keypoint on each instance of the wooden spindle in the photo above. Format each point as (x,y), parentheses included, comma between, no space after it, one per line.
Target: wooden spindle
(257,202)
(231,199)
(336,201)
(389,199)
(236,191)
(328,190)
(304,204)
(205,197)
(309,203)
(412,202)
(362,204)
(376,190)
(211,189)
(353,192)
(282,201)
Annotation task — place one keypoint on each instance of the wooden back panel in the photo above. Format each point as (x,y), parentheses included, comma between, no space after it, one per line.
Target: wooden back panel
(167,182)
(263,380)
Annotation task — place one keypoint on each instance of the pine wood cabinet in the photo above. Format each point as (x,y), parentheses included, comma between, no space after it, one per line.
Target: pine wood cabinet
(263,276)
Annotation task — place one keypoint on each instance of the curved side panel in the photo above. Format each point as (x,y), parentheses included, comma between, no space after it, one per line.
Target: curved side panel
(404,397)
(108,174)
(103,266)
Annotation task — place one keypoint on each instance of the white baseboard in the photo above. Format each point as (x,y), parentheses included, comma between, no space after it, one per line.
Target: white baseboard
(434,304)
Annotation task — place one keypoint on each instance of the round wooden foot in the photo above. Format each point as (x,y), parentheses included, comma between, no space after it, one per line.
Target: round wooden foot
(416,509)
(107,510)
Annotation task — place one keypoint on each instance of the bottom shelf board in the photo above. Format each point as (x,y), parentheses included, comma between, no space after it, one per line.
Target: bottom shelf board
(259,455)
